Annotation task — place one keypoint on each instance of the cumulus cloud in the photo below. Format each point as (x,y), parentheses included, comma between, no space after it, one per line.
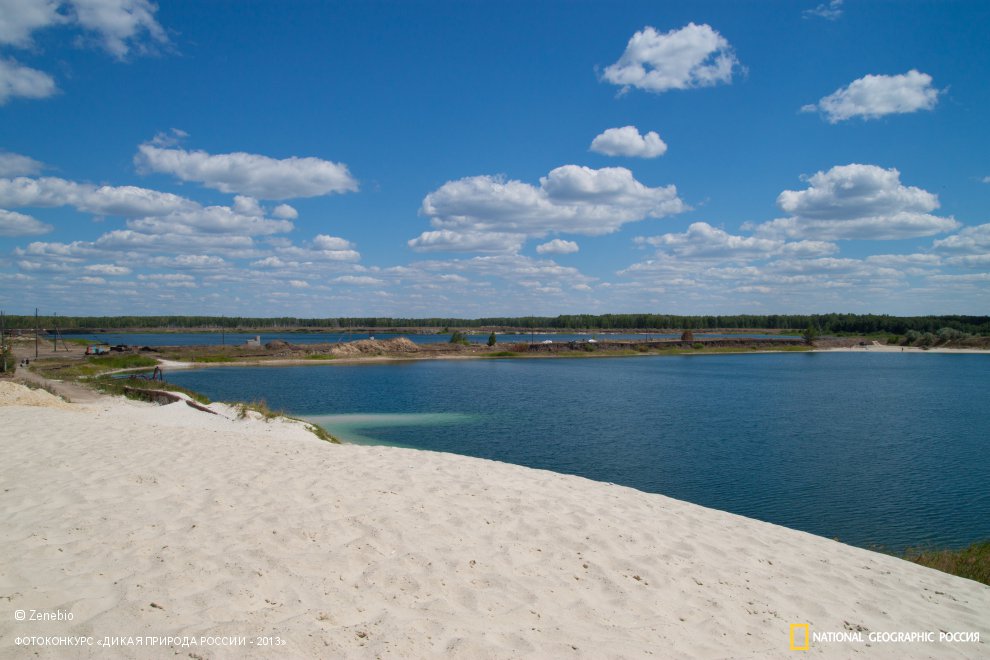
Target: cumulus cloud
(872,97)
(325,242)
(514,269)
(856,202)
(446,240)
(627,141)
(321,248)
(702,241)
(128,201)
(359,280)
(19,81)
(188,261)
(250,174)
(905,259)
(557,246)
(299,284)
(210,220)
(971,240)
(12,164)
(107,269)
(285,211)
(830,11)
(570,198)
(694,56)
(18,224)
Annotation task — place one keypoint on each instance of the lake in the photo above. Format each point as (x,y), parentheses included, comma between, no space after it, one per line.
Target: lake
(873,449)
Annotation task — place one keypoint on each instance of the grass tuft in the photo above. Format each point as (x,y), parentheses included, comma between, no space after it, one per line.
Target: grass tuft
(972,563)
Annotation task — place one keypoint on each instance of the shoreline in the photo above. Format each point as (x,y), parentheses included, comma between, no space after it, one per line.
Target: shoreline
(241,527)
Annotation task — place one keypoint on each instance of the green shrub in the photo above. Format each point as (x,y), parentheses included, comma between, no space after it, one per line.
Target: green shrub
(697,345)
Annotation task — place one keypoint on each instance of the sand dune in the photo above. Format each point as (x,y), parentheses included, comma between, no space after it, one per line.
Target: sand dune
(143,520)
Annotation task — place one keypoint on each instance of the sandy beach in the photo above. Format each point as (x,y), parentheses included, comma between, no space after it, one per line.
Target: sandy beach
(168,523)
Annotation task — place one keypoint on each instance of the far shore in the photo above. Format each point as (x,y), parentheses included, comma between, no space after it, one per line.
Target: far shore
(378,359)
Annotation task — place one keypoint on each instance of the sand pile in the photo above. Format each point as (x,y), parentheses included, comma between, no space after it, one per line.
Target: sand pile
(15,394)
(374,347)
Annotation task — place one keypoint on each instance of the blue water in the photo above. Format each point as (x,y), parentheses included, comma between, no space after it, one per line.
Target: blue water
(873,449)
(238,338)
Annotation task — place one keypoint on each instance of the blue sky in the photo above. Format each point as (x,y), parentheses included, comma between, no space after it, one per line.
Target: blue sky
(473,159)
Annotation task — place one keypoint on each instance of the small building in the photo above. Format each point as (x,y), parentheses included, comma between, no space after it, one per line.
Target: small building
(254,343)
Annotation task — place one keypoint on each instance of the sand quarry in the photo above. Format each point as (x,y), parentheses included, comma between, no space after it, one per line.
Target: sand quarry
(168,522)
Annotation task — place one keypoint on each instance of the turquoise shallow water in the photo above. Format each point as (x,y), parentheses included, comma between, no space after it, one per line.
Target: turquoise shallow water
(873,449)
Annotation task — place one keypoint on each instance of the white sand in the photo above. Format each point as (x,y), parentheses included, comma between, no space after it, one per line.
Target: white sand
(248,528)
(877,347)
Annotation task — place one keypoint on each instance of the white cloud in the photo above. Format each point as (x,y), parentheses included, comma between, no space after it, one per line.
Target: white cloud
(871,97)
(986,179)
(270,262)
(102,200)
(446,240)
(19,18)
(18,224)
(12,164)
(702,241)
(247,206)
(971,240)
(87,279)
(928,260)
(19,81)
(856,202)
(627,141)
(119,23)
(170,279)
(557,246)
(321,248)
(285,211)
(359,280)
(514,269)
(299,284)
(107,269)
(188,261)
(970,260)
(325,242)
(251,174)
(186,242)
(830,11)
(694,56)
(210,220)
(570,199)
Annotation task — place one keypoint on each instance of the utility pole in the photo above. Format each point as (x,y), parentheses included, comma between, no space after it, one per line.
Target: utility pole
(3,347)
(35,333)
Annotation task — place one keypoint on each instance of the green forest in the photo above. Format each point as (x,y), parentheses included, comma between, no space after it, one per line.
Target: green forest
(825,323)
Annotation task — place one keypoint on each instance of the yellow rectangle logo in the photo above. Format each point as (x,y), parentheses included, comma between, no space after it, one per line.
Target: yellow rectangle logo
(797,643)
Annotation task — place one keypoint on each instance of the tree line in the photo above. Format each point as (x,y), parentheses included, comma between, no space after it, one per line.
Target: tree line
(823,323)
